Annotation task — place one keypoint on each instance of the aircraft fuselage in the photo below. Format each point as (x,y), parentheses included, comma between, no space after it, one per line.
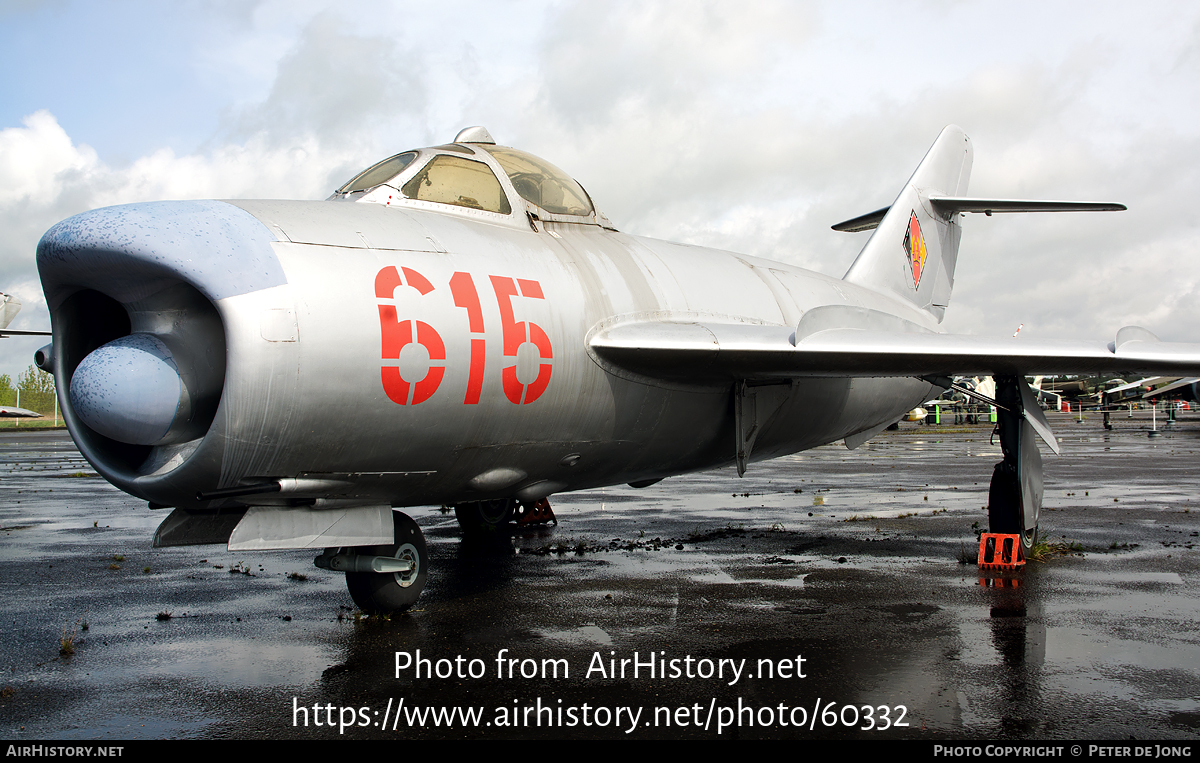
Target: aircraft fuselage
(420,357)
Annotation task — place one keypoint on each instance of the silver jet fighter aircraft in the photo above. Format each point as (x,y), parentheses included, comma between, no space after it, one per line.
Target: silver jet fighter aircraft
(460,325)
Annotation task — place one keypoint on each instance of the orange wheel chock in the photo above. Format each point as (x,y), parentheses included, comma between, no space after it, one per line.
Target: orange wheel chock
(1000,551)
(536,513)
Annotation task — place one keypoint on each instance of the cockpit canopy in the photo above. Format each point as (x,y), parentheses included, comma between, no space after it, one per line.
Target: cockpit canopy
(474,173)
(378,173)
(540,182)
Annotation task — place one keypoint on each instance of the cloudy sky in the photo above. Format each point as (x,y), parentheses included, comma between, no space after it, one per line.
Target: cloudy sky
(751,126)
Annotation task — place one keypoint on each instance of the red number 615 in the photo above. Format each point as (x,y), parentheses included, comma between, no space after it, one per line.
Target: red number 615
(395,334)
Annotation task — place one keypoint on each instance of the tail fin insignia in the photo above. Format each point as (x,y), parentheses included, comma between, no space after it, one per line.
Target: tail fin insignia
(914,247)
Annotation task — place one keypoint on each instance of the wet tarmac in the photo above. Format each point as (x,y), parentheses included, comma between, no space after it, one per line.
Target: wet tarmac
(820,596)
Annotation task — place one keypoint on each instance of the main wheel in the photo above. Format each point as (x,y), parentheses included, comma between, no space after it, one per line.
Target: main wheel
(1029,540)
(1005,514)
(484,516)
(392,591)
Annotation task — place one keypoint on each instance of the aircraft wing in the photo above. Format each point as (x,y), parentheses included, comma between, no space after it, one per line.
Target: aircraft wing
(12,412)
(1140,383)
(1171,387)
(9,307)
(714,351)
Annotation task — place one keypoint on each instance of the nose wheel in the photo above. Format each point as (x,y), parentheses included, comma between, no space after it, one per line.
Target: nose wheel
(392,591)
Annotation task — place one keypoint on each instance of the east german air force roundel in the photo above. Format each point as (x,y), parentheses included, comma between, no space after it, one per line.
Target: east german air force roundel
(914,247)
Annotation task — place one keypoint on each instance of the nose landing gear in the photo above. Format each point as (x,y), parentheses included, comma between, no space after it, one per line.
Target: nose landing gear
(386,578)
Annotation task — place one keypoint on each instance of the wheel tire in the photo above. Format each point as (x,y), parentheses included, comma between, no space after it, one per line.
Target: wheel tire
(477,517)
(1004,501)
(1029,540)
(1004,507)
(392,591)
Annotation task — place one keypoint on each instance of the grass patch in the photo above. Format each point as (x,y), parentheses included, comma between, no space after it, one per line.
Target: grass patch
(1047,549)
(46,423)
(966,555)
(66,645)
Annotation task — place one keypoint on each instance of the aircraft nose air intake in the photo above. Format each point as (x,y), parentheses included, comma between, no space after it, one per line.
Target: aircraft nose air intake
(136,294)
(129,390)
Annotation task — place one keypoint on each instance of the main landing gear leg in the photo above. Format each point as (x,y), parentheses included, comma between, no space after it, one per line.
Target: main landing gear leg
(1015,496)
(482,517)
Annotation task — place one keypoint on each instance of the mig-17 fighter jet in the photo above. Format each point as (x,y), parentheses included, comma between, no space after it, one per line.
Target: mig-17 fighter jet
(461,325)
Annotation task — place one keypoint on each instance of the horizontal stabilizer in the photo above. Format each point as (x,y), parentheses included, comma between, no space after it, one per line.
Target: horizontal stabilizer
(988,206)
(871,220)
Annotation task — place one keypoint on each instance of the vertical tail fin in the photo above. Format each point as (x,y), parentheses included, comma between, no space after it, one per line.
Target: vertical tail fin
(913,251)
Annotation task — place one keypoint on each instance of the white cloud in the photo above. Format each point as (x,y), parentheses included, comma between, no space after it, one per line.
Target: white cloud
(339,88)
(33,158)
(45,177)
